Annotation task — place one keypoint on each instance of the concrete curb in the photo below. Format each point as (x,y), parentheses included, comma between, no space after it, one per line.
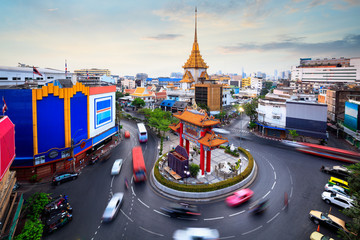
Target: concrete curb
(203,196)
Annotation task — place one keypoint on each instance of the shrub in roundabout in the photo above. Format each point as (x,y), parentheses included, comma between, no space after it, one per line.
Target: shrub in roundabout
(205,187)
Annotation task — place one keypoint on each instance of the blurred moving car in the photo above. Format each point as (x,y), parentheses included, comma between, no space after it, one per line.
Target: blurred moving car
(336,189)
(259,206)
(181,209)
(239,197)
(127,134)
(64,177)
(337,199)
(220,130)
(327,220)
(196,234)
(336,170)
(56,221)
(113,207)
(116,168)
(318,236)
(339,182)
(94,159)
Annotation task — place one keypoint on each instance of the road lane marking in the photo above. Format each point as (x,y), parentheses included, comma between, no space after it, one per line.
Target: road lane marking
(161,213)
(271,166)
(158,234)
(143,203)
(266,194)
(273,185)
(227,237)
(291,192)
(210,219)
(189,219)
(112,181)
(132,189)
(252,230)
(126,216)
(231,215)
(275,175)
(273,217)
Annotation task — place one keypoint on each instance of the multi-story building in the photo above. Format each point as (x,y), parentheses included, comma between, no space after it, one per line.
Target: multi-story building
(91,77)
(53,124)
(314,74)
(10,201)
(210,95)
(128,83)
(246,82)
(308,118)
(27,76)
(272,116)
(257,84)
(335,100)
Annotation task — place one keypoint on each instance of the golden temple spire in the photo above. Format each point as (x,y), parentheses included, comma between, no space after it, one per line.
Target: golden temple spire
(195,40)
(195,60)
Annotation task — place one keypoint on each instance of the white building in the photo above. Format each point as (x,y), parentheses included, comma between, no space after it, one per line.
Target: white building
(12,76)
(128,83)
(257,84)
(325,72)
(227,99)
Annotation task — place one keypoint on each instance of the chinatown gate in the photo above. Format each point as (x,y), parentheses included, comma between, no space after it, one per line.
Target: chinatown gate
(195,126)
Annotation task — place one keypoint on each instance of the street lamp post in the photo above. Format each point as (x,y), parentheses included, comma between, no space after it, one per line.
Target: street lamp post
(187,173)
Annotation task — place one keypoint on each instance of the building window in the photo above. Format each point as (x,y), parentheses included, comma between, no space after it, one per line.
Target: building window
(50,77)
(276,117)
(3,78)
(40,160)
(16,78)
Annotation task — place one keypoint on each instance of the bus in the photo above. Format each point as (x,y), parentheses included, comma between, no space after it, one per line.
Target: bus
(139,168)
(143,136)
(329,152)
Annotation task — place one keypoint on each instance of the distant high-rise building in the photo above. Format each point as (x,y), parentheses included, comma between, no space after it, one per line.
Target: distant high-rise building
(275,75)
(176,75)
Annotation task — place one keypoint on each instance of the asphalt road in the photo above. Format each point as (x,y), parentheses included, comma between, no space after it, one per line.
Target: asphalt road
(280,169)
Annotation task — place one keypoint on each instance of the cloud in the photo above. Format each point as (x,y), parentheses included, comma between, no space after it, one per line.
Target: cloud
(349,45)
(163,37)
(52,9)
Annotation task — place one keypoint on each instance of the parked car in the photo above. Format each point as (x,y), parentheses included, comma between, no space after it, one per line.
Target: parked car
(318,236)
(196,233)
(339,182)
(337,199)
(327,220)
(64,177)
(57,221)
(181,209)
(337,189)
(239,197)
(336,171)
(57,205)
(127,134)
(113,207)
(116,168)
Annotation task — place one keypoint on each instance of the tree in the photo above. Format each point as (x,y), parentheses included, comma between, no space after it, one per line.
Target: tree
(250,109)
(293,134)
(138,102)
(232,92)
(194,169)
(354,212)
(119,95)
(203,106)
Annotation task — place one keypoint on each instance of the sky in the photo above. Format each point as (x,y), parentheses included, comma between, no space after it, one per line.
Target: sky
(156,36)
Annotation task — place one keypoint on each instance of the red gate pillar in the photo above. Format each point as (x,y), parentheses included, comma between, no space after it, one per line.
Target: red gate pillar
(208,161)
(202,155)
(188,147)
(180,133)
(202,159)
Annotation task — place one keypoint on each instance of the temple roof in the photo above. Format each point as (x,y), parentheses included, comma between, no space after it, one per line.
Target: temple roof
(141,92)
(195,60)
(197,118)
(212,140)
(187,77)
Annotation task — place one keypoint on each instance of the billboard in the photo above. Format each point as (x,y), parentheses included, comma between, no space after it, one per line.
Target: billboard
(7,144)
(351,116)
(102,112)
